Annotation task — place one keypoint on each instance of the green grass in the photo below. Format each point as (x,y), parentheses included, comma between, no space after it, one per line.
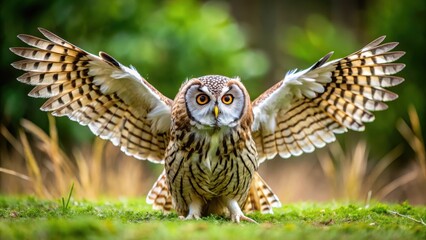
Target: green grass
(31,218)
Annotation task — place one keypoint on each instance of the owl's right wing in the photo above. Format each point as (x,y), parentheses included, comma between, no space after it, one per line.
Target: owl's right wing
(114,101)
(306,109)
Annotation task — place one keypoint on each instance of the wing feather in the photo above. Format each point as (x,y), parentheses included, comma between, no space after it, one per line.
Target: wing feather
(306,109)
(114,101)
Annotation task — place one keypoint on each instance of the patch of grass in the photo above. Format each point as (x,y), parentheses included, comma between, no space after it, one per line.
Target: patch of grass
(66,203)
(32,218)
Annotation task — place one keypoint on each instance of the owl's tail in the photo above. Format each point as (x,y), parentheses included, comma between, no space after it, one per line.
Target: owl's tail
(260,197)
(159,195)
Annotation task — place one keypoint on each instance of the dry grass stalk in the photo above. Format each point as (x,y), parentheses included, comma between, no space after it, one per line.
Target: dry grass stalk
(56,161)
(14,173)
(413,135)
(393,185)
(12,140)
(32,166)
(96,171)
(381,166)
(90,170)
(349,175)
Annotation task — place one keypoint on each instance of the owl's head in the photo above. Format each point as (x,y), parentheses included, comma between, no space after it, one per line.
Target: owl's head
(217,101)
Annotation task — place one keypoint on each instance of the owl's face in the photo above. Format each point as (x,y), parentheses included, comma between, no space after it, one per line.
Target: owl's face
(216,101)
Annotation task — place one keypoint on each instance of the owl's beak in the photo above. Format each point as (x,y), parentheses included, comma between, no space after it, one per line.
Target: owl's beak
(216,111)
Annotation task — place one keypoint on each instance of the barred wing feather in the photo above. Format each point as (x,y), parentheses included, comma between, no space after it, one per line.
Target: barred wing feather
(114,101)
(306,109)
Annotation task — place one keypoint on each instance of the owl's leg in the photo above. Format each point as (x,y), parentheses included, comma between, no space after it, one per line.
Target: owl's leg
(236,214)
(194,210)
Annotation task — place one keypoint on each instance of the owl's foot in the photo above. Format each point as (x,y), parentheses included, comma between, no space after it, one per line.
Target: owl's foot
(236,214)
(190,217)
(194,211)
(236,218)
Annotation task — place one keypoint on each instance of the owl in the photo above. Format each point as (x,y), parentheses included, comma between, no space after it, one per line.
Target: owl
(211,138)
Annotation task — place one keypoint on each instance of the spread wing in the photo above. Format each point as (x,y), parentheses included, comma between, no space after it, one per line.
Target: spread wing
(306,109)
(113,100)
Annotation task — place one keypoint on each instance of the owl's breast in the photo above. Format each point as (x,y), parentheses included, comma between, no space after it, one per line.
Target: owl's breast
(211,158)
(212,165)
(226,167)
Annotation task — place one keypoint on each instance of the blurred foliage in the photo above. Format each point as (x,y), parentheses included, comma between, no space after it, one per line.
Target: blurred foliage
(170,41)
(318,36)
(167,41)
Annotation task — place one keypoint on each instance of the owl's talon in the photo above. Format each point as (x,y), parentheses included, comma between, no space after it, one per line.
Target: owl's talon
(190,217)
(194,211)
(237,218)
(236,214)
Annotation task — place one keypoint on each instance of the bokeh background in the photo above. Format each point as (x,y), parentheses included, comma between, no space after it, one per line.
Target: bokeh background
(170,41)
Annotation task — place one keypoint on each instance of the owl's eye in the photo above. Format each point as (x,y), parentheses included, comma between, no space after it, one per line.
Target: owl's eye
(202,99)
(227,99)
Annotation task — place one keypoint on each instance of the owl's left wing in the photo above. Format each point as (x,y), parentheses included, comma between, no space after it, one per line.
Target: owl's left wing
(114,101)
(304,110)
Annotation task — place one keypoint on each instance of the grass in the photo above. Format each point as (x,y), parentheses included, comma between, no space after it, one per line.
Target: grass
(66,203)
(32,218)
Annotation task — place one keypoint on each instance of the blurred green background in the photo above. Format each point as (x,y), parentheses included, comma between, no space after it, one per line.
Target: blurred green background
(170,41)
